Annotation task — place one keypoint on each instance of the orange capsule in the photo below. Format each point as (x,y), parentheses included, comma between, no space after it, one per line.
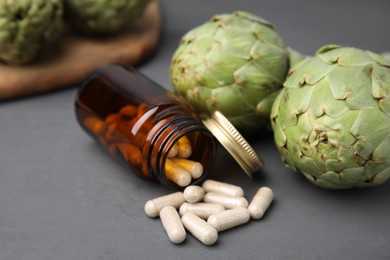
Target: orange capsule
(131,153)
(94,125)
(111,118)
(128,111)
(116,132)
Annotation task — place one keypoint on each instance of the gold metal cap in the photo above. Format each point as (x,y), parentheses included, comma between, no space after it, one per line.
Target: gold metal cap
(234,143)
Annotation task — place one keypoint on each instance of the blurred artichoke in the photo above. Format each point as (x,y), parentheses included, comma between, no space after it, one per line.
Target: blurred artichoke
(26,26)
(386,55)
(102,16)
(234,63)
(331,121)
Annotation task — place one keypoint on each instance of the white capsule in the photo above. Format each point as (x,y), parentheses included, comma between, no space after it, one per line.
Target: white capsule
(260,202)
(194,168)
(184,147)
(173,152)
(202,210)
(228,202)
(177,174)
(229,218)
(153,207)
(224,188)
(199,228)
(172,224)
(193,193)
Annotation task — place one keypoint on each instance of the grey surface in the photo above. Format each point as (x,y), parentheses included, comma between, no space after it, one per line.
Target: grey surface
(61,197)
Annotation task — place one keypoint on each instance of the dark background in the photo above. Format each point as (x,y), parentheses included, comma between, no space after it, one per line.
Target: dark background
(62,197)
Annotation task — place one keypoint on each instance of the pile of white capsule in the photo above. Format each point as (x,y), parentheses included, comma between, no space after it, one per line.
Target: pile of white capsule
(206,210)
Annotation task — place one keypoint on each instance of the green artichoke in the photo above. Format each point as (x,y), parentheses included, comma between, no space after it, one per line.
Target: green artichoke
(102,16)
(386,55)
(26,26)
(234,63)
(331,121)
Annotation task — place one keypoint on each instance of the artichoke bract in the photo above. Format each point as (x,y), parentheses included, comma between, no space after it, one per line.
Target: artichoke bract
(234,63)
(105,17)
(26,26)
(331,121)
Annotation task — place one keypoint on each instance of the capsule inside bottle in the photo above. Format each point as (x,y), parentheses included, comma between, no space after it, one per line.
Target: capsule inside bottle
(144,126)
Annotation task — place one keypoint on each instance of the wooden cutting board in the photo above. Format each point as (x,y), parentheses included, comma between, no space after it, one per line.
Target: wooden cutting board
(73,57)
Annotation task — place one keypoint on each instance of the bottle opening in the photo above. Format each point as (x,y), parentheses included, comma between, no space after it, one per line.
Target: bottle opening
(182,153)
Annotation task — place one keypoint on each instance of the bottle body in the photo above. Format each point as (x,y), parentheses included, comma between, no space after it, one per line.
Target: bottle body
(141,124)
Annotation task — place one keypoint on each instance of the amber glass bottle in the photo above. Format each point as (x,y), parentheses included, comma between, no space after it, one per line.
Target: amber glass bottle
(139,122)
